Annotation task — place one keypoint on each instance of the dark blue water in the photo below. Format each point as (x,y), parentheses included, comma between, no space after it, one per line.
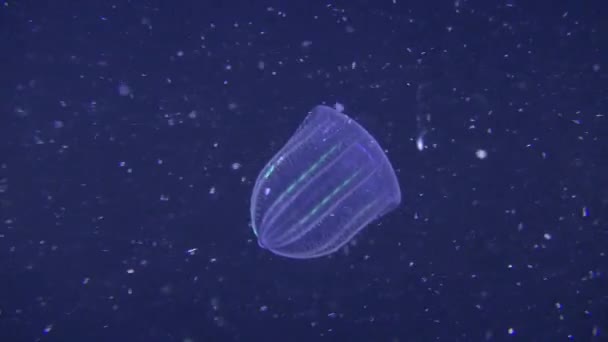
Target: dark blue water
(131,134)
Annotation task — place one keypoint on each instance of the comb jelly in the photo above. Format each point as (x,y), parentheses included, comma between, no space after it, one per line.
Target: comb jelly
(328,182)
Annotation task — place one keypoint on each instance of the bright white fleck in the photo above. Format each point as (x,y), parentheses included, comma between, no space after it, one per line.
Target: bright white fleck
(266,191)
(263,308)
(481,154)
(585,212)
(48,329)
(180,53)
(212,190)
(511,331)
(236,166)
(130,271)
(547,236)
(420,142)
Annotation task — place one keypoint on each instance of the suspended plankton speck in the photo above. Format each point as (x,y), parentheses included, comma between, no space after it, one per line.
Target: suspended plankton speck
(481,154)
(420,142)
(124,89)
(47,329)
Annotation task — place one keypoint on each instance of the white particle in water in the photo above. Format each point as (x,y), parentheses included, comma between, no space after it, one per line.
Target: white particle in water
(481,154)
(420,142)
(124,90)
